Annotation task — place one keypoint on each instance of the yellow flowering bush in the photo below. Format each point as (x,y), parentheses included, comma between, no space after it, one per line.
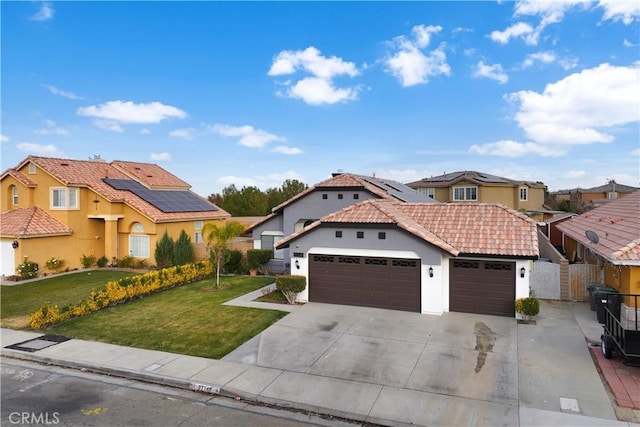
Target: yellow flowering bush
(125,289)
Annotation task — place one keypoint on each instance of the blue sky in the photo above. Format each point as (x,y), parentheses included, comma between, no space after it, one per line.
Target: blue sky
(255,93)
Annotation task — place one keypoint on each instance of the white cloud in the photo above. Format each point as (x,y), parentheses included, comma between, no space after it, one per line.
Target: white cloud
(574,174)
(494,72)
(319,88)
(543,57)
(568,63)
(311,61)
(283,149)
(45,12)
(4,138)
(567,113)
(508,148)
(248,135)
(144,131)
(516,30)
(128,112)
(409,64)
(317,91)
(51,129)
(627,43)
(626,11)
(57,91)
(186,133)
(39,149)
(161,157)
(635,152)
(109,125)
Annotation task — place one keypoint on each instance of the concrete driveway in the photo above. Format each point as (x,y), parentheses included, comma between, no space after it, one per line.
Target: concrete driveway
(456,354)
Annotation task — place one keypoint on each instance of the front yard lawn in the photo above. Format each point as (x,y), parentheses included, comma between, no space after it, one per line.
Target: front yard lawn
(186,320)
(18,301)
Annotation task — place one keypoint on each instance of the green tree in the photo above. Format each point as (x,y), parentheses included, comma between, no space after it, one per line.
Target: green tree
(182,250)
(164,251)
(218,237)
(250,201)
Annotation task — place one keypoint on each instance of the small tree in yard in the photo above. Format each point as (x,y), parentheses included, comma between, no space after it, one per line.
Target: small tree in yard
(218,237)
(528,307)
(290,286)
(164,251)
(182,250)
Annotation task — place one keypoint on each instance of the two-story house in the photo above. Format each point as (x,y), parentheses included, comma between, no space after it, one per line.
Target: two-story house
(338,192)
(67,208)
(471,186)
(584,199)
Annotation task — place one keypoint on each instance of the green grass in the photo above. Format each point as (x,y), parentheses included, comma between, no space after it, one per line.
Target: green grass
(275,296)
(17,302)
(186,320)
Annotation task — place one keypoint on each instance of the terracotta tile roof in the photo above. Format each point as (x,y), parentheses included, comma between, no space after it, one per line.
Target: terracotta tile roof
(353,181)
(150,175)
(90,174)
(617,224)
(458,228)
(19,176)
(30,222)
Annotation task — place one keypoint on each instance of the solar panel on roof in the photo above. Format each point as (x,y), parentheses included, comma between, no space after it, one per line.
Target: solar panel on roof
(168,201)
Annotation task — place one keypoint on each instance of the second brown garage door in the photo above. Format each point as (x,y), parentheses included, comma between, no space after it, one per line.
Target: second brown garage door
(391,283)
(483,287)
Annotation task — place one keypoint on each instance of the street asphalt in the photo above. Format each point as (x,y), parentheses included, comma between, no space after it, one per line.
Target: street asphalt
(381,366)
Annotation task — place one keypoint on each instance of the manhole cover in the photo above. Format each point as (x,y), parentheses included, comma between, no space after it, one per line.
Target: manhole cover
(39,343)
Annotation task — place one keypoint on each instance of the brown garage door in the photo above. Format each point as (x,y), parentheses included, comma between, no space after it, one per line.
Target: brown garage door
(484,287)
(391,283)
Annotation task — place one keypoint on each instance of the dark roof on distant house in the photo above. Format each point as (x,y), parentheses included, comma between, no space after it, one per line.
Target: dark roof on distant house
(479,178)
(617,225)
(607,188)
(457,228)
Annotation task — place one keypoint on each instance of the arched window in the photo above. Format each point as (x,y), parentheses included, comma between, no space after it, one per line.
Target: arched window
(138,243)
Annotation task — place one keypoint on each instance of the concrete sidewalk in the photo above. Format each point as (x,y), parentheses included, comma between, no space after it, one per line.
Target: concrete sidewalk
(557,381)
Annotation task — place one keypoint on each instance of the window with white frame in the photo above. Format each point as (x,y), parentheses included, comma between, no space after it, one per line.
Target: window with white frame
(64,198)
(430,192)
(138,244)
(14,195)
(524,194)
(198,238)
(462,194)
(268,239)
(32,169)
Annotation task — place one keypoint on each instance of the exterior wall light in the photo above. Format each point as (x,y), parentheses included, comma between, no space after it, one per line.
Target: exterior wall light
(297,264)
(430,271)
(522,271)
(15,244)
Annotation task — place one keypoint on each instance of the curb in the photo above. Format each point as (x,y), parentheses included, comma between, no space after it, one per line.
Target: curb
(209,389)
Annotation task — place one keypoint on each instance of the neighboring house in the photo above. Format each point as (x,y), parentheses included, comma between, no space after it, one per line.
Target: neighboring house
(421,257)
(584,199)
(69,208)
(550,228)
(609,237)
(331,195)
(471,186)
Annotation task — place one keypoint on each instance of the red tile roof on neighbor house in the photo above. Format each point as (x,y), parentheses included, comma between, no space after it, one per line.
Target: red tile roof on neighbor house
(617,225)
(90,174)
(30,222)
(458,228)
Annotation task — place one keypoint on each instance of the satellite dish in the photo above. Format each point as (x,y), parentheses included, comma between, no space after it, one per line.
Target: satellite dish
(592,236)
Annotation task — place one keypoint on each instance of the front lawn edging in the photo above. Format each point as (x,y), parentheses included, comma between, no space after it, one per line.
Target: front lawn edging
(123,290)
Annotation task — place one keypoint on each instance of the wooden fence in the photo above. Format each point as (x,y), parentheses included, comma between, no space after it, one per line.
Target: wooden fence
(545,280)
(581,276)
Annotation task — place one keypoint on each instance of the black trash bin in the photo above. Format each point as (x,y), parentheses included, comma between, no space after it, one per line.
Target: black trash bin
(610,300)
(598,288)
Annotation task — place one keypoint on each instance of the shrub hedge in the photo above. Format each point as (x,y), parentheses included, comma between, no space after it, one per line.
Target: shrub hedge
(117,292)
